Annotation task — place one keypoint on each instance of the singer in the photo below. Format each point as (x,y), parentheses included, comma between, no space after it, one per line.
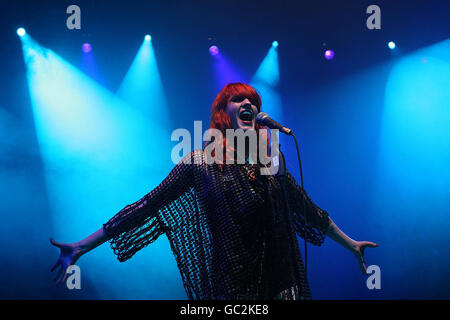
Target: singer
(231,232)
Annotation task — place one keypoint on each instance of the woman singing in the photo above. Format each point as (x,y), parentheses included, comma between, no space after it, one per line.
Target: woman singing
(231,229)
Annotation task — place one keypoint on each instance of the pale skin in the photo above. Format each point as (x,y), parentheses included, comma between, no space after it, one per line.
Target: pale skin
(71,252)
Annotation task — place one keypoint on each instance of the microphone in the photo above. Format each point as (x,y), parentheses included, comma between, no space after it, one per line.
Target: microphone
(263,119)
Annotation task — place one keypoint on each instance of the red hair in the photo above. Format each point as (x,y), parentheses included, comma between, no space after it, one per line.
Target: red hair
(220,119)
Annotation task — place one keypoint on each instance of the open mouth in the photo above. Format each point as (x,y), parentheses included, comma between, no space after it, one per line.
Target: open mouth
(246,115)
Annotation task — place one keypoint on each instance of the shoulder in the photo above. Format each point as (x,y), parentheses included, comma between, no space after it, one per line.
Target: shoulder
(193,157)
(197,156)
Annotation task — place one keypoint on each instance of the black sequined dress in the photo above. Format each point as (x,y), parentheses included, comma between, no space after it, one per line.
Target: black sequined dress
(231,231)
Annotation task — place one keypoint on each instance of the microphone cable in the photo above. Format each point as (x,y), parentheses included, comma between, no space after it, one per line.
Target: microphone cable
(303,190)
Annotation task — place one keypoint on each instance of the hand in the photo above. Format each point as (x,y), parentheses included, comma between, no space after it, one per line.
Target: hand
(70,253)
(358,251)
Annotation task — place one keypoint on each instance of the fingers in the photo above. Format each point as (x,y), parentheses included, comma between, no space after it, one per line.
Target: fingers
(55,265)
(363,246)
(362,264)
(370,244)
(62,276)
(60,279)
(363,267)
(65,277)
(55,243)
(361,251)
(58,275)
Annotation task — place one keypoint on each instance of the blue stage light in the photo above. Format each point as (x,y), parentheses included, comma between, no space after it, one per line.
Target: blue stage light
(102,139)
(21,32)
(266,81)
(275,44)
(391,45)
(148,37)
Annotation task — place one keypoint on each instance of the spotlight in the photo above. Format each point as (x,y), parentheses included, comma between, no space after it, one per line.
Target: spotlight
(86,47)
(213,50)
(391,45)
(275,44)
(21,32)
(148,37)
(329,54)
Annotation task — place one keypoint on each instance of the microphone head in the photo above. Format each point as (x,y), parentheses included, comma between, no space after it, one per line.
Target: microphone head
(263,119)
(260,117)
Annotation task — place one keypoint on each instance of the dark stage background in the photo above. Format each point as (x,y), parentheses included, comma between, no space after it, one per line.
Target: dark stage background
(80,131)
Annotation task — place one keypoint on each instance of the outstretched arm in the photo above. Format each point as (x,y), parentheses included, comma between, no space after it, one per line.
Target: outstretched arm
(92,241)
(322,223)
(355,247)
(71,252)
(136,225)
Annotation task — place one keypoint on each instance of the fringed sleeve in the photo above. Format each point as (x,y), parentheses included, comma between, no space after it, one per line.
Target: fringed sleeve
(317,220)
(137,225)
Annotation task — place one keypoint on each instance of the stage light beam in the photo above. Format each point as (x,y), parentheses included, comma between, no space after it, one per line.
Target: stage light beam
(93,143)
(266,81)
(225,71)
(391,45)
(143,90)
